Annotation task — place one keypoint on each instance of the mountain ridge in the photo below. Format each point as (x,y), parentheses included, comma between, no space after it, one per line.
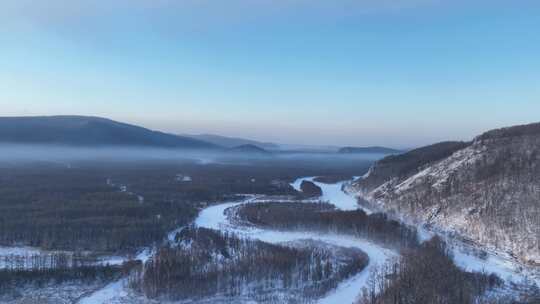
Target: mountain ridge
(485,191)
(371,149)
(88,131)
(232,142)
(250,149)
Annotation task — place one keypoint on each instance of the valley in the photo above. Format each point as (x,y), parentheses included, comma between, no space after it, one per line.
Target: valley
(246,228)
(269,152)
(225,218)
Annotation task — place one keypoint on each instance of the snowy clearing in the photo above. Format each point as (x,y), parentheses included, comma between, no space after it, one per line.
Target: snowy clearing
(107,294)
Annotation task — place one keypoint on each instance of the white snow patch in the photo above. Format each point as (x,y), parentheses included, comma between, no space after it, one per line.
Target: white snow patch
(106,294)
(333,193)
(183,178)
(7,254)
(22,250)
(441,171)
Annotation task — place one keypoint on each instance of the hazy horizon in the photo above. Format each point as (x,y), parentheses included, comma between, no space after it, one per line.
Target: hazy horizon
(396,73)
(284,145)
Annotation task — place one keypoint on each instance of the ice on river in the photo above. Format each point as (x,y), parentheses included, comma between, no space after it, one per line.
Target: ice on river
(332,193)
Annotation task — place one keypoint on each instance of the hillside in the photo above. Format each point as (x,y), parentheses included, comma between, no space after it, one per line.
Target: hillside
(88,132)
(403,165)
(231,142)
(381,150)
(249,149)
(487,191)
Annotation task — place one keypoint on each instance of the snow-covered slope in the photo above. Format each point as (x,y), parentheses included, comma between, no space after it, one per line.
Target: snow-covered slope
(487,192)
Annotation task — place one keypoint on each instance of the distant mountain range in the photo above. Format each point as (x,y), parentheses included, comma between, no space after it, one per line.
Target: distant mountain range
(249,149)
(486,190)
(358,150)
(86,131)
(232,142)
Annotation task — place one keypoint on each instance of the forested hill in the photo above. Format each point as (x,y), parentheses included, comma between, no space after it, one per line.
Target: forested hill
(251,149)
(487,191)
(232,142)
(406,164)
(358,150)
(88,132)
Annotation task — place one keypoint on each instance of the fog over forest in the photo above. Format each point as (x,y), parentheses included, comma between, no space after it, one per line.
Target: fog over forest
(18,152)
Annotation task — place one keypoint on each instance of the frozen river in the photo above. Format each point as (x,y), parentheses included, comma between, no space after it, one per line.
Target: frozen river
(214,218)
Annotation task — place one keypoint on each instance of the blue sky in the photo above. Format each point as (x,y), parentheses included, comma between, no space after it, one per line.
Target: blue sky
(368,72)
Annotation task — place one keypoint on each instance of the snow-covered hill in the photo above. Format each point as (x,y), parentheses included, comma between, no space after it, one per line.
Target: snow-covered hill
(487,192)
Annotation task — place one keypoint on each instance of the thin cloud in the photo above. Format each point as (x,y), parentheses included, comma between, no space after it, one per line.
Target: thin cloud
(62,11)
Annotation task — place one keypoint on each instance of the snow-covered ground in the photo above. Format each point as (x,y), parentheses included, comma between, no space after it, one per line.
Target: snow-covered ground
(143,255)
(106,294)
(17,256)
(8,252)
(22,250)
(505,267)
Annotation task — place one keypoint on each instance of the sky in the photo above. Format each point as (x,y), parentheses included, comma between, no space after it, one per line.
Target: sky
(398,73)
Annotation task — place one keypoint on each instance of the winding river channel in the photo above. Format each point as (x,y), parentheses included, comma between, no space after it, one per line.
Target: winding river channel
(215,218)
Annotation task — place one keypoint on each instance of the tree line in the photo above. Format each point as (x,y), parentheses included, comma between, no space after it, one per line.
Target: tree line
(39,270)
(325,218)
